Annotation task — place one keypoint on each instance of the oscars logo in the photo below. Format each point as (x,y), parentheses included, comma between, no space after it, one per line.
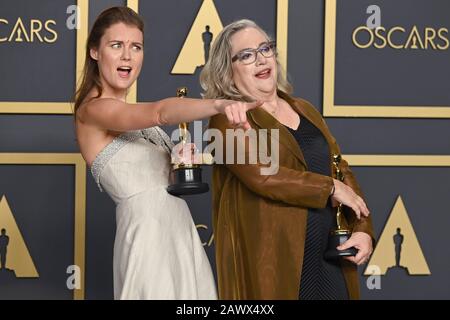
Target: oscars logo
(398,241)
(4,241)
(207,38)
(15,259)
(195,49)
(20,33)
(398,249)
(394,37)
(399,38)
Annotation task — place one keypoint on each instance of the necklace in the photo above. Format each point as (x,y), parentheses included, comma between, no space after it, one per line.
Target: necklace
(274,111)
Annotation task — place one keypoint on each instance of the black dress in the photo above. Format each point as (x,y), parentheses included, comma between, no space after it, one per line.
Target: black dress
(321,279)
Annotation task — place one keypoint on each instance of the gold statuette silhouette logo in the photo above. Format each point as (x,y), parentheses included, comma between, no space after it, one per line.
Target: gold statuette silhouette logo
(195,49)
(14,255)
(398,246)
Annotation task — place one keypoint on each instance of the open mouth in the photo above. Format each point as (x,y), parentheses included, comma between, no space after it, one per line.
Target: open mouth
(124,72)
(263,74)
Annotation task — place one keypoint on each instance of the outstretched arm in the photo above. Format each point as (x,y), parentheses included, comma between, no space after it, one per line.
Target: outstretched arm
(112,114)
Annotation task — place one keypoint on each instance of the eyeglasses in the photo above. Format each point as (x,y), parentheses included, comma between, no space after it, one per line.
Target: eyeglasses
(248,56)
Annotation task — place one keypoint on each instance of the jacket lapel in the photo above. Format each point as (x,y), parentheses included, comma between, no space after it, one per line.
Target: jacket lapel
(304,111)
(265,121)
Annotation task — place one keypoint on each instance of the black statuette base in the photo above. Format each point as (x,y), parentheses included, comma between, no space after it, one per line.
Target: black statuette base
(186,181)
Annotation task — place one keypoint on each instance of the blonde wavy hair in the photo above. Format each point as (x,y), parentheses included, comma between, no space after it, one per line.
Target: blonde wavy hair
(216,77)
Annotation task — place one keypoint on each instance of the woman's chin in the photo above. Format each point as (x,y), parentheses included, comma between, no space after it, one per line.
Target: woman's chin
(267,90)
(123,85)
(267,85)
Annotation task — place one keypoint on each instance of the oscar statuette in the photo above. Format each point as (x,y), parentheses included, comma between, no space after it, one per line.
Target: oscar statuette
(186,178)
(341,234)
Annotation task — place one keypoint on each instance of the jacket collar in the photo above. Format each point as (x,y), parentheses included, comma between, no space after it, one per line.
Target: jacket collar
(265,120)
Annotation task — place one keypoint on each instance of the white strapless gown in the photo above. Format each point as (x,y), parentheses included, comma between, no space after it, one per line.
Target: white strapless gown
(157,250)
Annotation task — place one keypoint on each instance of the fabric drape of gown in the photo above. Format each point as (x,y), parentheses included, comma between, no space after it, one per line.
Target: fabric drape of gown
(158,253)
(321,279)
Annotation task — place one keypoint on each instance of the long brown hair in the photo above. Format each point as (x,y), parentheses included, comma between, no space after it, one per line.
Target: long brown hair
(91,76)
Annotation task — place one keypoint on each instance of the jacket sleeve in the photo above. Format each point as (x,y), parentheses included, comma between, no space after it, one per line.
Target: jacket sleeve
(365,223)
(293,187)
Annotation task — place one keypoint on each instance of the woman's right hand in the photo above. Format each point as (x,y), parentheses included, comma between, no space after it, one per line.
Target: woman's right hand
(236,111)
(345,195)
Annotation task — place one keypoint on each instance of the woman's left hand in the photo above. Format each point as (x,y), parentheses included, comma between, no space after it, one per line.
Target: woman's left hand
(363,243)
(185,153)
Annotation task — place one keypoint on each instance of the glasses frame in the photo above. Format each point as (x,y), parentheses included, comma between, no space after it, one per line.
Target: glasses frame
(271,44)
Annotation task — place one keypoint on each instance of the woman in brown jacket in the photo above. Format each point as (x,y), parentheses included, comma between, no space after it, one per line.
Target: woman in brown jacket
(271,230)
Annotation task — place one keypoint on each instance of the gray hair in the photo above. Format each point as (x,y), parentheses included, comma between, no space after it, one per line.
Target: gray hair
(216,77)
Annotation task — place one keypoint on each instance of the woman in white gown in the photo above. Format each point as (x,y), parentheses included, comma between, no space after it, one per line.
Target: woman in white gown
(157,251)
